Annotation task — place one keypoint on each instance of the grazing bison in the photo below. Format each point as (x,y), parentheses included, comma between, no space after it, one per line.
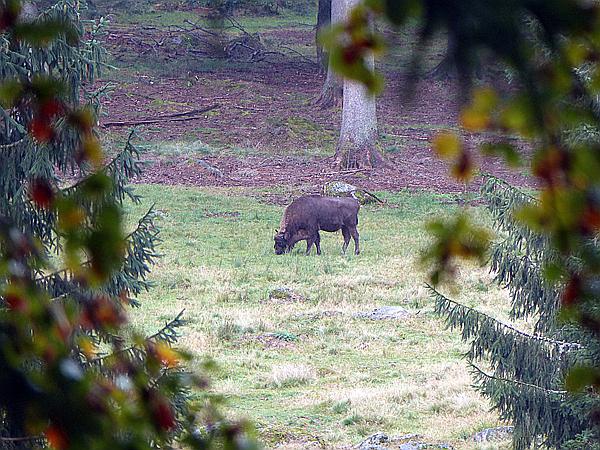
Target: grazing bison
(306,216)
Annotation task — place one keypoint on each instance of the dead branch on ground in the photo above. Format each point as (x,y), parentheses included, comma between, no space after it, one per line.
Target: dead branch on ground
(176,117)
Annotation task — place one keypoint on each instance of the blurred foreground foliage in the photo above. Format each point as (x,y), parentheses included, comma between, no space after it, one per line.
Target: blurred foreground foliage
(73,375)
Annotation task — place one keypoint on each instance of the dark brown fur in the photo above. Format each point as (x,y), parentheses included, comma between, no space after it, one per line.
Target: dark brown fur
(306,216)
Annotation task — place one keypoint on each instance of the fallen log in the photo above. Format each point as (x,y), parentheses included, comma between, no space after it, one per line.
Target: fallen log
(175,117)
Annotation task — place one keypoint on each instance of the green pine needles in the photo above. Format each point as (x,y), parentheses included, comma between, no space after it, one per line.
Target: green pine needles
(523,373)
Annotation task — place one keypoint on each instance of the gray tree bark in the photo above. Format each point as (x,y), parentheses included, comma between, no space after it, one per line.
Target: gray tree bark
(331,94)
(323,20)
(446,69)
(358,135)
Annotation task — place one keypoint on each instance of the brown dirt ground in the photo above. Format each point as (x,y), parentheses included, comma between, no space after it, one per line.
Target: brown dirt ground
(267,108)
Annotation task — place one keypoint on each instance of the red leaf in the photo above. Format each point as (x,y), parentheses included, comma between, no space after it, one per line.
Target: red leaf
(552,163)
(41,193)
(572,291)
(41,130)
(350,55)
(102,312)
(590,220)
(163,414)
(463,168)
(8,17)
(16,302)
(57,437)
(50,109)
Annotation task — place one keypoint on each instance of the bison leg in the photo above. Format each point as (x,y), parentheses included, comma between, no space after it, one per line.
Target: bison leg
(354,233)
(346,234)
(309,244)
(314,239)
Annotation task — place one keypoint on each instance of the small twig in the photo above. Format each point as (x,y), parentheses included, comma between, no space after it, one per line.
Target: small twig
(196,27)
(421,138)
(296,52)
(235,24)
(247,108)
(21,439)
(346,172)
(373,195)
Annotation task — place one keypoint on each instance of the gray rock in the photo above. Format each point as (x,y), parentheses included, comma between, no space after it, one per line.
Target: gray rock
(374,442)
(412,445)
(341,189)
(338,188)
(283,293)
(385,313)
(493,434)
(381,441)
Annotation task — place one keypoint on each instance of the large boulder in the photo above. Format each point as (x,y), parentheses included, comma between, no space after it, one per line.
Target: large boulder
(342,189)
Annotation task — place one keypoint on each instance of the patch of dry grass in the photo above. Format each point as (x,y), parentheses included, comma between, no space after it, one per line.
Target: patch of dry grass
(291,375)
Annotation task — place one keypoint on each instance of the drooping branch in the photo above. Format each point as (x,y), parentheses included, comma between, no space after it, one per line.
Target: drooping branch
(530,292)
(512,353)
(502,200)
(543,410)
(479,372)
(480,315)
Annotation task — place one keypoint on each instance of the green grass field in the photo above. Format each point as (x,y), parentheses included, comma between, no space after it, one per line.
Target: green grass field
(305,370)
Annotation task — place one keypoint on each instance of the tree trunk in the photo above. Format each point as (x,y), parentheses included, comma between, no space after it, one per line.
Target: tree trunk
(358,136)
(331,94)
(323,20)
(446,69)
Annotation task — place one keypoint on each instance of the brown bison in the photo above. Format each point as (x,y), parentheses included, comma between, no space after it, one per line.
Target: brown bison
(306,216)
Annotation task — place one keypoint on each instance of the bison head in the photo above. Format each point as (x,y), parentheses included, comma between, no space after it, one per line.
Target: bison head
(281,243)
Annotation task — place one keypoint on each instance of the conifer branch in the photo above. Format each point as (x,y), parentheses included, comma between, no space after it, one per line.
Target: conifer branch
(440,298)
(499,182)
(21,438)
(168,333)
(531,294)
(141,254)
(479,372)
(13,144)
(121,169)
(502,200)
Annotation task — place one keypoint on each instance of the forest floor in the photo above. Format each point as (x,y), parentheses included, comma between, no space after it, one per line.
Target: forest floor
(263,129)
(306,370)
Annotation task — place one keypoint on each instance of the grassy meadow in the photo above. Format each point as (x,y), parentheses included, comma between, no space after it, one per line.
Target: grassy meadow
(304,369)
